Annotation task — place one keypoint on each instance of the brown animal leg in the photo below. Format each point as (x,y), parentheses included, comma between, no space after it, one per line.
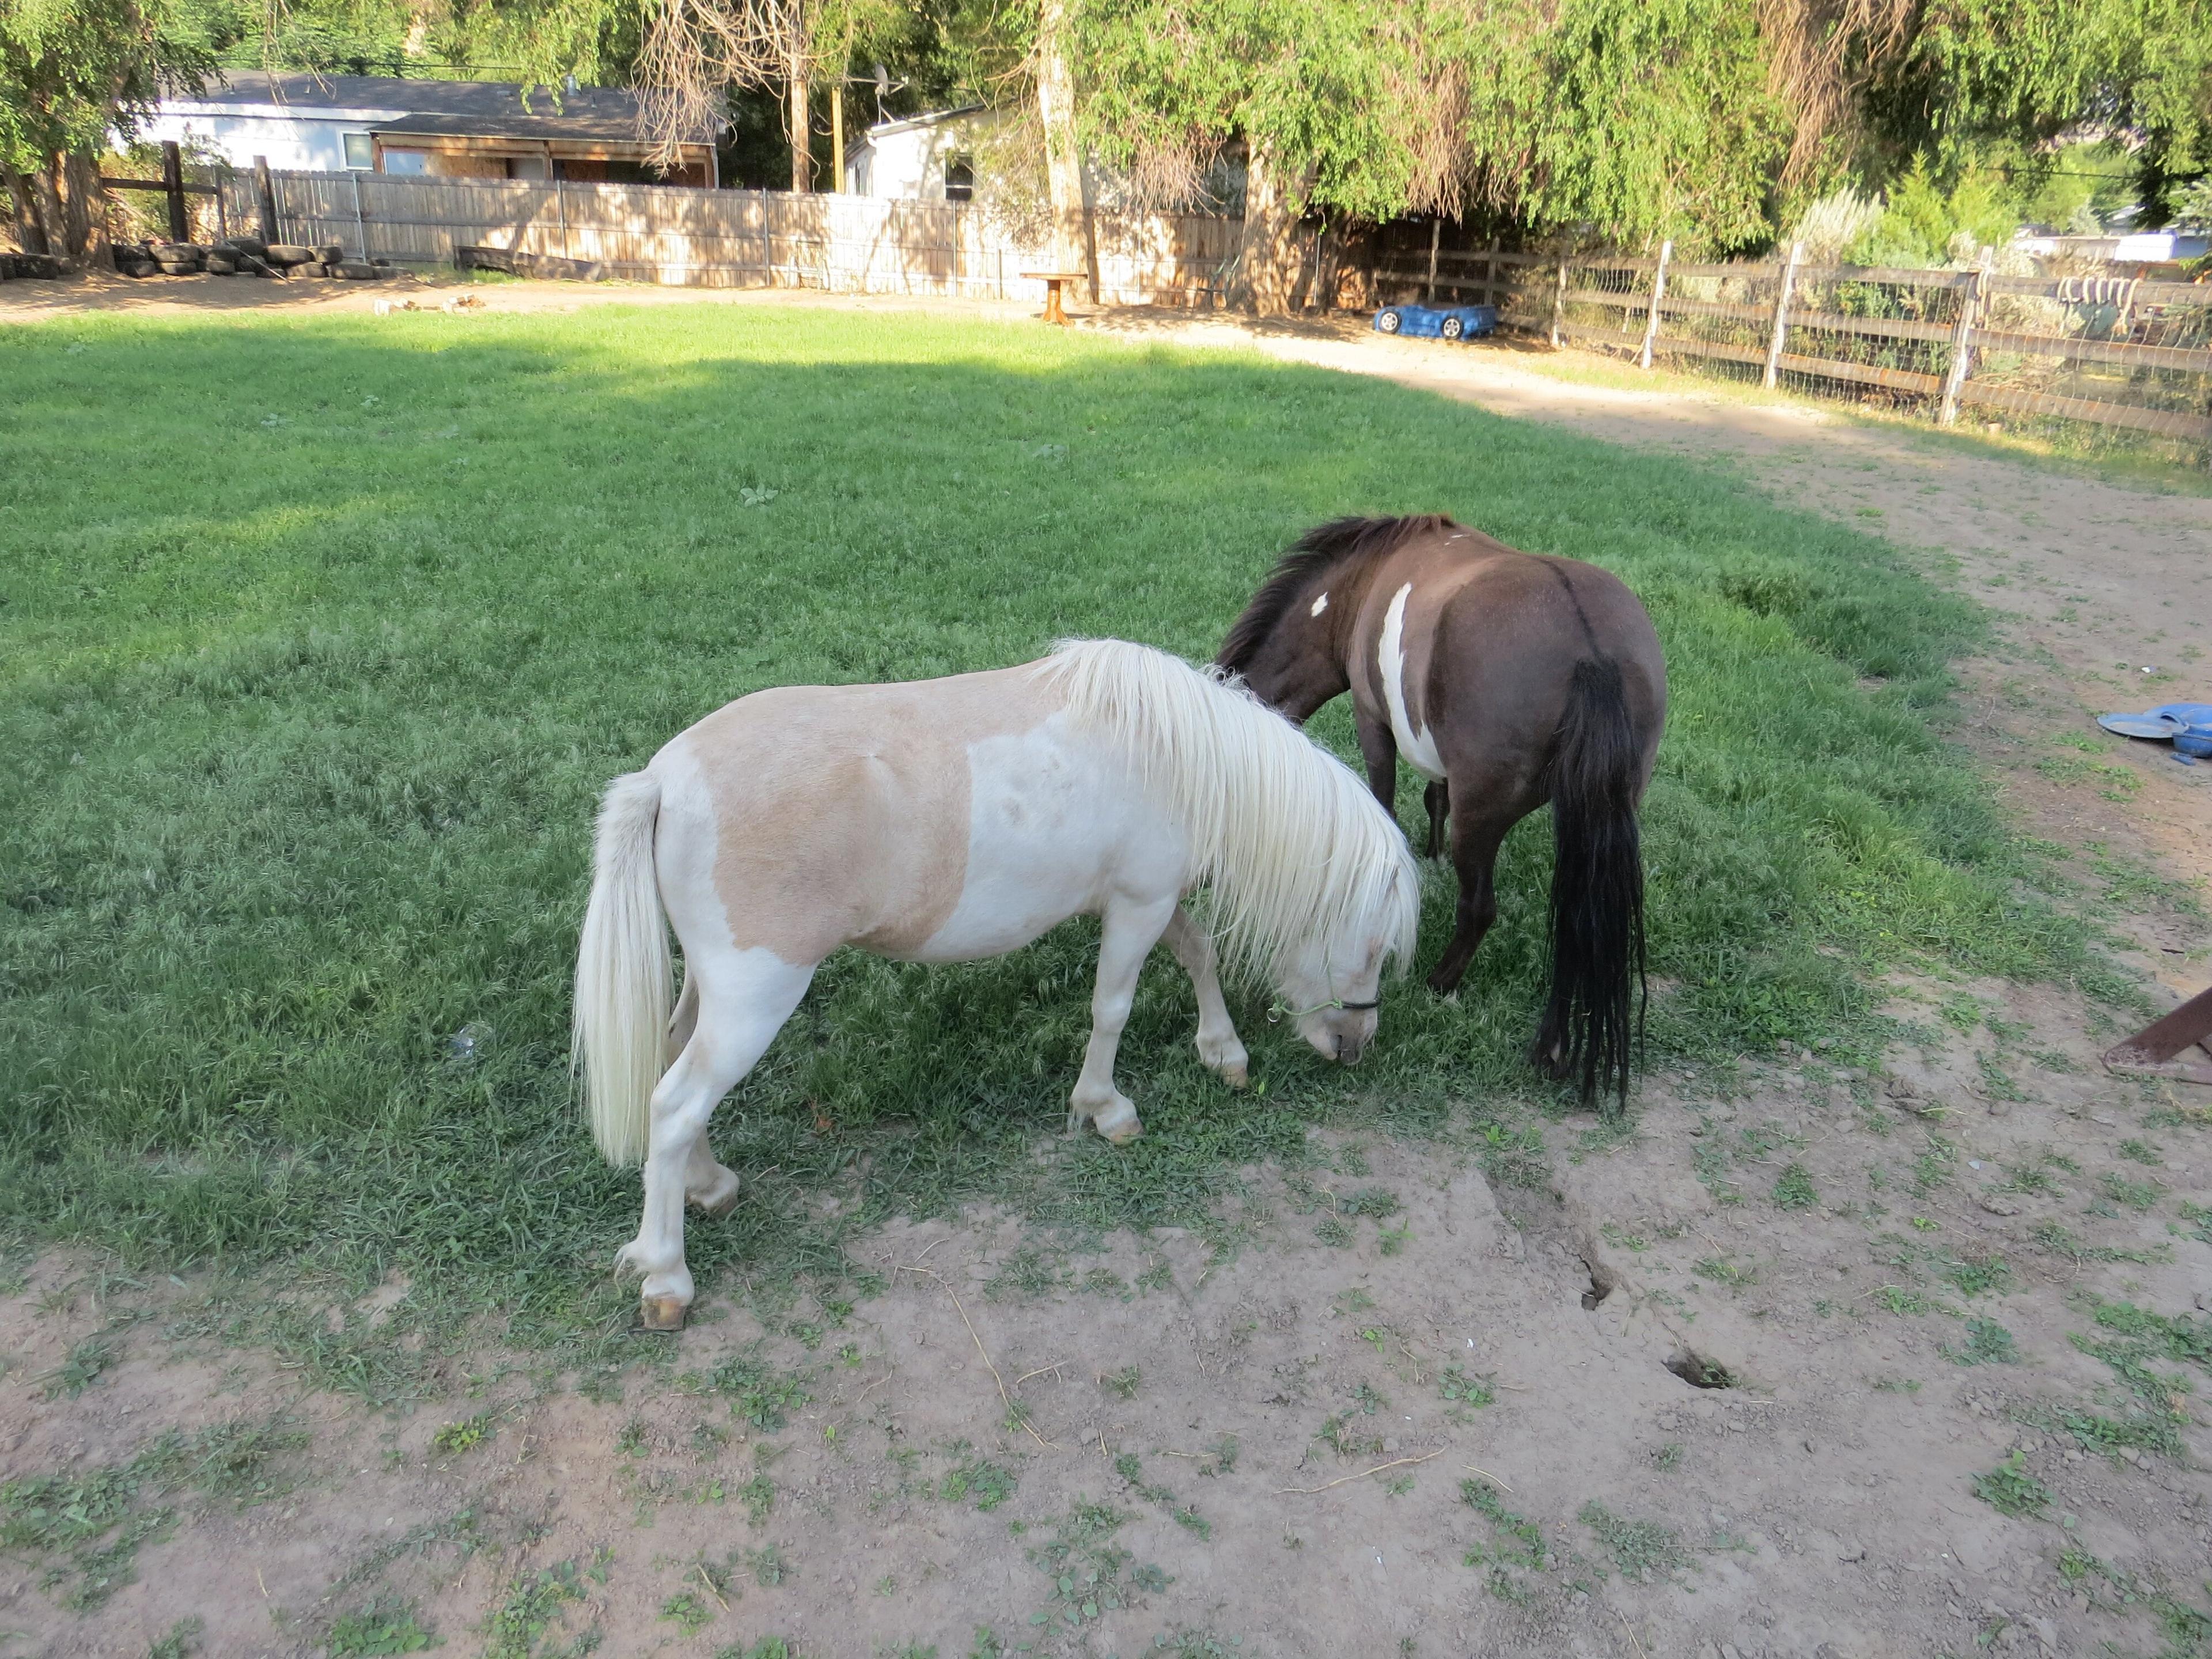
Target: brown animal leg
(1474,853)
(1437,799)
(1380,750)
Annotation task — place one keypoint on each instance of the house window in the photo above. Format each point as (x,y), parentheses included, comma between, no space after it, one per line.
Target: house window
(960,179)
(415,162)
(529,167)
(360,152)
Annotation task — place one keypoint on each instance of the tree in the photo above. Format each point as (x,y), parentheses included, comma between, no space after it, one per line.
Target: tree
(694,52)
(71,72)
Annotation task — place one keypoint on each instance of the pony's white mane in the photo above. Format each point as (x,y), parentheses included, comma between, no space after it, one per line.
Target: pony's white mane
(1292,844)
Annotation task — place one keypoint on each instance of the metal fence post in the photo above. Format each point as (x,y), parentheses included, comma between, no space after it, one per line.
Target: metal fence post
(1658,293)
(1781,312)
(1962,341)
(1560,302)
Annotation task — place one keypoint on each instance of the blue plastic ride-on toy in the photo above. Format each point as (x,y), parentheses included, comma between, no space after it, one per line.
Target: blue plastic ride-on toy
(1438,322)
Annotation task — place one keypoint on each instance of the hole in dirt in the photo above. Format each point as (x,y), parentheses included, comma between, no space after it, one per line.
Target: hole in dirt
(1699,1372)
(1601,1282)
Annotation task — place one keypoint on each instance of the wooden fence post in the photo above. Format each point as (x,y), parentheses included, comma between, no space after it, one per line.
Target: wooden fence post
(1560,302)
(1781,312)
(1962,341)
(1436,235)
(1490,274)
(264,190)
(172,186)
(359,216)
(1658,293)
(560,216)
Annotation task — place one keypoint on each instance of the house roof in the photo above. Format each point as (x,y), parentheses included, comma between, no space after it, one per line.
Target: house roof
(402,104)
(934,117)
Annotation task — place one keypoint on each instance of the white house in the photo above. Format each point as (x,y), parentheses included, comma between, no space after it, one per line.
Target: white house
(926,158)
(459,129)
(2134,247)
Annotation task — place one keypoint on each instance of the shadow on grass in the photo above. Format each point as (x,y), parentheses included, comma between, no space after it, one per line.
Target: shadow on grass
(323,633)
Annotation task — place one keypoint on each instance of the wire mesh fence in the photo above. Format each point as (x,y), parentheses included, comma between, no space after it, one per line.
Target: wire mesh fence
(2117,352)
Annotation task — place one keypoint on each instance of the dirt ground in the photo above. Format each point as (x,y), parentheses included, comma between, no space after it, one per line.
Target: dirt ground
(1760,1380)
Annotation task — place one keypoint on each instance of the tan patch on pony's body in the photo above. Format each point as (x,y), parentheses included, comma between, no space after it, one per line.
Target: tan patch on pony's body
(841,813)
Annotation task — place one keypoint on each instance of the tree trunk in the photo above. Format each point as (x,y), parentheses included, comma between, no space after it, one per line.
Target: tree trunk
(85,206)
(802,117)
(48,196)
(1075,246)
(30,224)
(1271,203)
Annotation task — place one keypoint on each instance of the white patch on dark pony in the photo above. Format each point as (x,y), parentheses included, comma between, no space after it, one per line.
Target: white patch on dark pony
(1293,846)
(1320,604)
(1419,748)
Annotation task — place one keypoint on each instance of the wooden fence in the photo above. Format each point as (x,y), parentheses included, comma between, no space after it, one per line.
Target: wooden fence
(736,238)
(2110,350)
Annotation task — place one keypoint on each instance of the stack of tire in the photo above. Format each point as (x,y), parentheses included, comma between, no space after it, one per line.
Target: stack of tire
(247,256)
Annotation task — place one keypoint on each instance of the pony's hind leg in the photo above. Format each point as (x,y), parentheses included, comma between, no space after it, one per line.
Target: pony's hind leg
(708,1186)
(1437,799)
(1218,1048)
(1131,928)
(1476,837)
(742,1007)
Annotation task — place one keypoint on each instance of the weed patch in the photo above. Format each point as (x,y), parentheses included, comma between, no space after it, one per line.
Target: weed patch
(384,1626)
(1987,1343)
(1640,1550)
(1793,1189)
(534,1606)
(2009,1489)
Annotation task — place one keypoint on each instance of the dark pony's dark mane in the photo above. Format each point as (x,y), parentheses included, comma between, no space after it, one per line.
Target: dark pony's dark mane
(1325,545)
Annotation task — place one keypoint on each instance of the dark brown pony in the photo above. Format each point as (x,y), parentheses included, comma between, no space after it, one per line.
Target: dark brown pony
(1508,679)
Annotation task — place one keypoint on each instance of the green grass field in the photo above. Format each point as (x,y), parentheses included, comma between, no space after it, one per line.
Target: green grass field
(318,637)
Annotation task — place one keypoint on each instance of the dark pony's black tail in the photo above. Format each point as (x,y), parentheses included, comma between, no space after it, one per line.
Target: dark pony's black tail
(1597,892)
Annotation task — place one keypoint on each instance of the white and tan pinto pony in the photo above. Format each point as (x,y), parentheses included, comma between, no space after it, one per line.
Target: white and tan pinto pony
(948,820)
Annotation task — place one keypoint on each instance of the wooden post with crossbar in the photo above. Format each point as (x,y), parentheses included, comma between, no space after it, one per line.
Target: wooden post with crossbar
(1962,341)
(1781,312)
(1658,293)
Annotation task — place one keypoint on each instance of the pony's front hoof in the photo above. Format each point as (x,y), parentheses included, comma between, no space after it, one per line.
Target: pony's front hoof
(661,1313)
(1235,1076)
(1446,985)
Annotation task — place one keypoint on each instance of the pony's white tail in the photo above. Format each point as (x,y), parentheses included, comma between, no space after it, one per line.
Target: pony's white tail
(621,1027)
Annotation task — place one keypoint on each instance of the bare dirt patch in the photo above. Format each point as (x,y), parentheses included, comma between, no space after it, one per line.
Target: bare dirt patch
(1735,1379)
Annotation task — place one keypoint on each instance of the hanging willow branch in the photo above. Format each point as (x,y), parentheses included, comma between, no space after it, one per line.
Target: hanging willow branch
(1822,55)
(696,50)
